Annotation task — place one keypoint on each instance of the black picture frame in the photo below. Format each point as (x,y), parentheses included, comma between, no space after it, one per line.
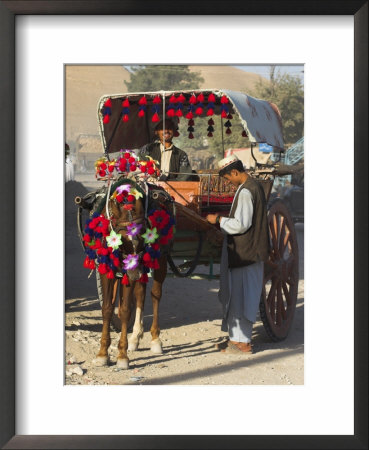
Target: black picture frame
(8,11)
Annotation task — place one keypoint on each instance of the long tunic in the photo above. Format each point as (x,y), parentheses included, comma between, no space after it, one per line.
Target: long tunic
(243,284)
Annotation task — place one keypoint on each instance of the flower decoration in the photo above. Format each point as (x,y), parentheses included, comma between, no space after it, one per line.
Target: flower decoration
(200,107)
(114,240)
(179,105)
(156,108)
(211,105)
(150,236)
(159,219)
(133,229)
(223,106)
(106,111)
(131,262)
(171,106)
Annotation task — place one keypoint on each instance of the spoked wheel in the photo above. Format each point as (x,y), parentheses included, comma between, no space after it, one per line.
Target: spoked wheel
(281,274)
(183,267)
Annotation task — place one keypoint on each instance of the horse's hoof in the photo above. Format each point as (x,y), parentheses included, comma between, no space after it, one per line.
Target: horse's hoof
(122,364)
(100,361)
(156,347)
(132,346)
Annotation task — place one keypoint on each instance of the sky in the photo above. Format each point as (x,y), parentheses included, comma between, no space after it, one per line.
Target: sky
(294,70)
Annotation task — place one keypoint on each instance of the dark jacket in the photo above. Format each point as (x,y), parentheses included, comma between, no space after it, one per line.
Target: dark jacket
(178,161)
(253,245)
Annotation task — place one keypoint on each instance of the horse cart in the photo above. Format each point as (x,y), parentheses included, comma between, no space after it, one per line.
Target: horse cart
(126,121)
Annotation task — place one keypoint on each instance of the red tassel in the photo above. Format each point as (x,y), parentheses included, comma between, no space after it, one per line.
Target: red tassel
(170,112)
(106,118)
(224,114)
(224,99)
(199,111)
(127,155)
(157,100)
(144,278)
(86,262)
(156,264)
(92,264)
(181,98)
(133,168)
(146,257)
(155,118)
(211,98)
(110,275)
(179,113)
(141,113)
(111,168)
(108,103)
(125,280)
(173,99)
(150,170)
(210,112)
(102,173)
(229,131)
(210,122)
(102,269)
(193,99)
(125,118)
(244,134)
(190,136)
(142,101)
(125,103)
(200,98)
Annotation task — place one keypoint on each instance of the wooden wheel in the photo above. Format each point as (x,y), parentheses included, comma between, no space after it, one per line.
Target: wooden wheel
(281,274)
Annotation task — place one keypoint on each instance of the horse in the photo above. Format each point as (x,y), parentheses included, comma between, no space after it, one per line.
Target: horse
(130,250)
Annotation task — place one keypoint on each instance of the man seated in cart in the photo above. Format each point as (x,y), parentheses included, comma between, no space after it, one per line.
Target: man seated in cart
(173,161)
(245,249)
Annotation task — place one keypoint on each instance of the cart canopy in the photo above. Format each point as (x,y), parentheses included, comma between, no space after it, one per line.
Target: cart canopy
(128,120)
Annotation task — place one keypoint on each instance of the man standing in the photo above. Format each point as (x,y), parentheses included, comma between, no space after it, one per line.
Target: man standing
(173,161)
(245,248)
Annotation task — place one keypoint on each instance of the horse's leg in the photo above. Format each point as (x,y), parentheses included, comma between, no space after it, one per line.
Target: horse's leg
(138,330)
(108,289)
(125,313)
(156,291)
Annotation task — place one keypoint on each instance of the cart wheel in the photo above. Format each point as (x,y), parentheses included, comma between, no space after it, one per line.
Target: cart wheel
(115,320)
(185,268)
(281,274)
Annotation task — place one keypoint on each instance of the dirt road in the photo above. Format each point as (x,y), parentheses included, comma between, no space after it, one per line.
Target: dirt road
(190,322)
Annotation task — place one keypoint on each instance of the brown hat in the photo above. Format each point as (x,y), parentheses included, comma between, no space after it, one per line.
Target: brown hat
(169,124)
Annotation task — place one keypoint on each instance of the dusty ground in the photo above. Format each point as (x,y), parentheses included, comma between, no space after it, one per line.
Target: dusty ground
(190,323)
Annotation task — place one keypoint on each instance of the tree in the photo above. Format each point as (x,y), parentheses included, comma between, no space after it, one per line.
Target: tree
(168,78)
(287,92)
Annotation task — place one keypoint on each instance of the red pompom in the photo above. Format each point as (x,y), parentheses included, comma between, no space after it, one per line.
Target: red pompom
(108,103)
(190,136)
(146,257)
(179,113)
(110,275)
(131,160)
(150,171)
(181,98)
(155,118)
(170,112)
(210,112)
(102,173)
(224,115)
(155,246)
(111,168)
(210,122)
(200,98)
(228,131)
(125,280)
(156,264)
(173,99)
(127,155)
(102,269)
(224,99)
(119,198)
(125,118)
(211,98)
(92,264)
(141,113)
(142,101)
(125,103)
(131,198)
(133,168)
(193,99)
(86,262)
(189,115)
(87,238)
(157,99)
(106,118)
(199,111)
(103,166)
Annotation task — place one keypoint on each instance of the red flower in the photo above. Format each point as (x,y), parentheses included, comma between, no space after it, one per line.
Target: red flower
(133,168)
(87,238)
(127,155)
(150,171)
(131,160)
(131,198)
(159,219)
(119,198)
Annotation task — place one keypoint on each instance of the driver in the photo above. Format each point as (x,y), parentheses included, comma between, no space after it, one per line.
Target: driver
(173,161)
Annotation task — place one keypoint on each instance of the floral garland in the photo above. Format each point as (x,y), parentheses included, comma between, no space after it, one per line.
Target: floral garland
(102,246)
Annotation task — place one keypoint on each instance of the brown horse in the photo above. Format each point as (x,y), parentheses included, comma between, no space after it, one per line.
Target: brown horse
(120,219)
